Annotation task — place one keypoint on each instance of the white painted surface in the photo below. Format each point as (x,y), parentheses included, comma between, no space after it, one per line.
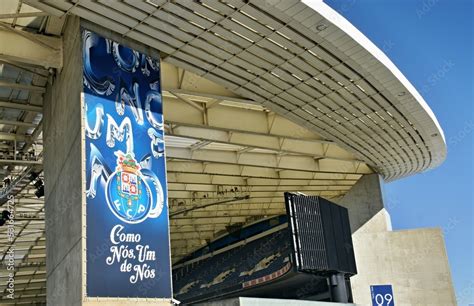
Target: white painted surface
(414,262)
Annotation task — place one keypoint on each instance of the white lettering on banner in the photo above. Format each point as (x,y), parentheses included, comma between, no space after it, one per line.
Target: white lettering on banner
(121,252)
(116,232)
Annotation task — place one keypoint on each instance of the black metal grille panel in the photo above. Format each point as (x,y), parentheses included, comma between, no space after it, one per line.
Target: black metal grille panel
(321,235)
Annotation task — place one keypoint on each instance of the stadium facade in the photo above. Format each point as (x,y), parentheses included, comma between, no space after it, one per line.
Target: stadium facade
(251,98)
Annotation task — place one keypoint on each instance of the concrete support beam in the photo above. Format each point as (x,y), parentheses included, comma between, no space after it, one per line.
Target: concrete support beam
(221,189)
(20,162)
(179,194)
(21,46)
(268,160)
(23,15)
(243,116)
(21,106)
(54,25)
(19,86)
(12,137)
(222,119)
(310,147)
(185,82)
(200,179)
(222,173)
(275,209)
(17,123)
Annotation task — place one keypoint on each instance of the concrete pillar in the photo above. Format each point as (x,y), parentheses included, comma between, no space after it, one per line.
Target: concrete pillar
(62,171)
(65,182)
(364,200)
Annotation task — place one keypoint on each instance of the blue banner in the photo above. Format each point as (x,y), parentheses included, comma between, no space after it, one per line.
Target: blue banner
(128,250)
(382,295)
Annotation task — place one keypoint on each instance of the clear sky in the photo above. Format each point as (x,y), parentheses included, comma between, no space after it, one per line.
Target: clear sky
(431,42)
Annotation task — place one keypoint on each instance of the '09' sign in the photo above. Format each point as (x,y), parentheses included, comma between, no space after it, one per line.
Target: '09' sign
(382,295)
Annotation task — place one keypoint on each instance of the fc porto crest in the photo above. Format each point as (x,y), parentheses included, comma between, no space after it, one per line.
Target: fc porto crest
(128,194)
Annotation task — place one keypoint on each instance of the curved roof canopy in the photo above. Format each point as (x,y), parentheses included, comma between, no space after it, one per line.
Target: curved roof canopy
(306,63)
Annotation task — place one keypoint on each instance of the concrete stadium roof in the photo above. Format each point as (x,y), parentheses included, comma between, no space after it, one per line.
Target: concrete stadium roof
(306,63)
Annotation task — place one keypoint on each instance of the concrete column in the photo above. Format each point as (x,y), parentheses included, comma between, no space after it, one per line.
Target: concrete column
(62,171)
(65,182)
(364,200)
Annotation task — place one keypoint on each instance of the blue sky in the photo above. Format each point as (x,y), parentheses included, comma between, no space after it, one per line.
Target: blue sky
(431,42)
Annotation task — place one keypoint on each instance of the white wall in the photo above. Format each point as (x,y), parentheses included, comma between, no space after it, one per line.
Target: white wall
(414,262)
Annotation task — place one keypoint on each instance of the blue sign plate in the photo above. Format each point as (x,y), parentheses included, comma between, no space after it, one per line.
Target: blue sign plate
(382,295)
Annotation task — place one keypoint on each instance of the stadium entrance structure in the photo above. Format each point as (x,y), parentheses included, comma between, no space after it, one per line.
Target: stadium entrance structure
(260,97)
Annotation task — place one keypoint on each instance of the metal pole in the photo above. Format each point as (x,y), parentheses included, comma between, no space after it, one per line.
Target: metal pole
(338,285)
